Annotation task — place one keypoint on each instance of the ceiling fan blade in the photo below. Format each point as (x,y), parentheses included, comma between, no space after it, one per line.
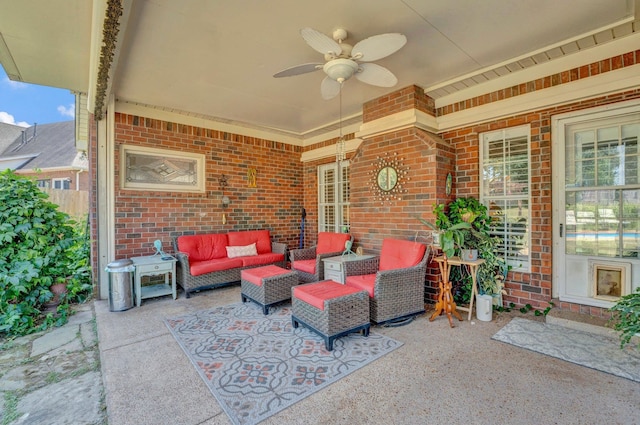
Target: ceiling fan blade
(376,75)
(320,42)
(298,69)
(378,47)
(329,88)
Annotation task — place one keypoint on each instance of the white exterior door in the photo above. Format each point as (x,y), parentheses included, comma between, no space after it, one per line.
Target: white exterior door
(596,193)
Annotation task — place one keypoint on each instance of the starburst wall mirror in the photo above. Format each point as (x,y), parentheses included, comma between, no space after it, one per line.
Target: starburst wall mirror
(387,177)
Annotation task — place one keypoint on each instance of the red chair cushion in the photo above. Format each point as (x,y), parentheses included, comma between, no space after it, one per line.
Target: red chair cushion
(256,260)
(365,282)
(400,254)
(204,247)
(256,275)
(307,266)
(261,238)
(316,293)
(331,242)
(219,264)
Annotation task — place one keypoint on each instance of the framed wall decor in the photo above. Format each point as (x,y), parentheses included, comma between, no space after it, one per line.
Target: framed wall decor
(161,170)
(610,280)
(252,175)
(388,175)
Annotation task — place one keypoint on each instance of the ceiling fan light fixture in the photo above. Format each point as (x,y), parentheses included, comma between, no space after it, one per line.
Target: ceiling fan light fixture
(340,69)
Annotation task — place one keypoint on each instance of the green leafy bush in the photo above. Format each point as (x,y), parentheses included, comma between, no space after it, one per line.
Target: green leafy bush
(626,317)
(39,246)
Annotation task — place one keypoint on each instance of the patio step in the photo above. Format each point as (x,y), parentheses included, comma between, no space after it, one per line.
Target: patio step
(582,322)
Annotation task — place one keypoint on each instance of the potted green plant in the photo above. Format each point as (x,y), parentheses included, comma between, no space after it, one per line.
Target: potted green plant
(465,224)
(451,236)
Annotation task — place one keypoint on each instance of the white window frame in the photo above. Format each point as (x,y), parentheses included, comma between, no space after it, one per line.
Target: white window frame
(61,182)
(341,199)
(511,132)
(44,183)
(197,161)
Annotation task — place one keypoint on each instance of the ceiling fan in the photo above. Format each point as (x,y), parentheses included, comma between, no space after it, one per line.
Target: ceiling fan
(342,61)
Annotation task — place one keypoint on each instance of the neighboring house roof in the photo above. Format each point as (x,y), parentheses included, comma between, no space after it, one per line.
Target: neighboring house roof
(44,146)
(8,134)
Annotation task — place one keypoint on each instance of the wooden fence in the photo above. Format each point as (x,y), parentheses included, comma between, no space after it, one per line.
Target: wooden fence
(73,202)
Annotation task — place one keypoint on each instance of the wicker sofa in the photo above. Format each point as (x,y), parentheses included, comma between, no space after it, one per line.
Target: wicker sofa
(211,260)
(394,280)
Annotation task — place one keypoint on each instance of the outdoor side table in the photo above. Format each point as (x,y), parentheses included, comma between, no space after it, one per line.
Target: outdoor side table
(445,303)
(154,265)
(334,266)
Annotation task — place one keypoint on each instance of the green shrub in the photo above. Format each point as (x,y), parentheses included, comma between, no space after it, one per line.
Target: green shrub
(39,246)
(626,317)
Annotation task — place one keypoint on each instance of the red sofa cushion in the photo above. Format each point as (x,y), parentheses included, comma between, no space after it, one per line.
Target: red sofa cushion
(400,254)
(316,293)
(256,260)
(261,238)
(219,264)
(365,282)
(331,242)
(307,266)
(256,275)
(204,247)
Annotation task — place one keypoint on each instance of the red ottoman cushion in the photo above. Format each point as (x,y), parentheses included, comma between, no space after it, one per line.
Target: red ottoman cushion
(256,275)
(316,293)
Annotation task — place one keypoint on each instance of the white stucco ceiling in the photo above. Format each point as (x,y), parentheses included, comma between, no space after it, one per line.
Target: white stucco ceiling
(217,58)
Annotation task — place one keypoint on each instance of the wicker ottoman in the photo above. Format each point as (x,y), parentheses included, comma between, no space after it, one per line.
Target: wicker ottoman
(267,285)
(330,309)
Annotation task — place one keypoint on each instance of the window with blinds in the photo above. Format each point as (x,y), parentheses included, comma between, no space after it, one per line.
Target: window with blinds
(505,191)
(333,197)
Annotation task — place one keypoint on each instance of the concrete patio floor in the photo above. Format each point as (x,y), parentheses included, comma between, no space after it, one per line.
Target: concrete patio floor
(440,375)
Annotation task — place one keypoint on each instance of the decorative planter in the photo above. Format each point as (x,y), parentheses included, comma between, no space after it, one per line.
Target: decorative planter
(57,289)
(469,254)
(484,308)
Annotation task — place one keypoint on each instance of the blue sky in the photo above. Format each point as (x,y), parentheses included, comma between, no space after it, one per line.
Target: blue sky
(25,104)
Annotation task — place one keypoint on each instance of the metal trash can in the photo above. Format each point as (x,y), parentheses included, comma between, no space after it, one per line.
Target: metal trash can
(120,284)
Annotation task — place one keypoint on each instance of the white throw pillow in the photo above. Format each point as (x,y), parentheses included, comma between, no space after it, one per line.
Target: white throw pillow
(241,251)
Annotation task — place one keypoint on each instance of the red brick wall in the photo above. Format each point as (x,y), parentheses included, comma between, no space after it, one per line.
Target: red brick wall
(411,97)
(534,287)
(75,178)
(144,216)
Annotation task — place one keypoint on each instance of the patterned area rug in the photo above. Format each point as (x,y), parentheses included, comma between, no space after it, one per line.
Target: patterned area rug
(258,365)
(584,348)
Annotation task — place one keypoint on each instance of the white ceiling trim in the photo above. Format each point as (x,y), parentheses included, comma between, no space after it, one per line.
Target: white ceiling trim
(329,151)
(530,54)
(398,121)
(204,122)
(6,59)
(352,127)
(97,25)
(575,60)
(599,85)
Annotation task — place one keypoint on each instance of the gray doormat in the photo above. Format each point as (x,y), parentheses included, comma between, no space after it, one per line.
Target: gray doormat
(584,348)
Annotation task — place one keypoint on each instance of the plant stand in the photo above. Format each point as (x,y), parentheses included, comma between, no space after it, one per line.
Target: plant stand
(445,303)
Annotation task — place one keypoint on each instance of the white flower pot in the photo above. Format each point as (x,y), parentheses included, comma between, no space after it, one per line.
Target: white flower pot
(484,307)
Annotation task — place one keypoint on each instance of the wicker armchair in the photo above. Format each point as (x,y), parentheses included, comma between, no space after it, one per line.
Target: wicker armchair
(395,280)
(307,262)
